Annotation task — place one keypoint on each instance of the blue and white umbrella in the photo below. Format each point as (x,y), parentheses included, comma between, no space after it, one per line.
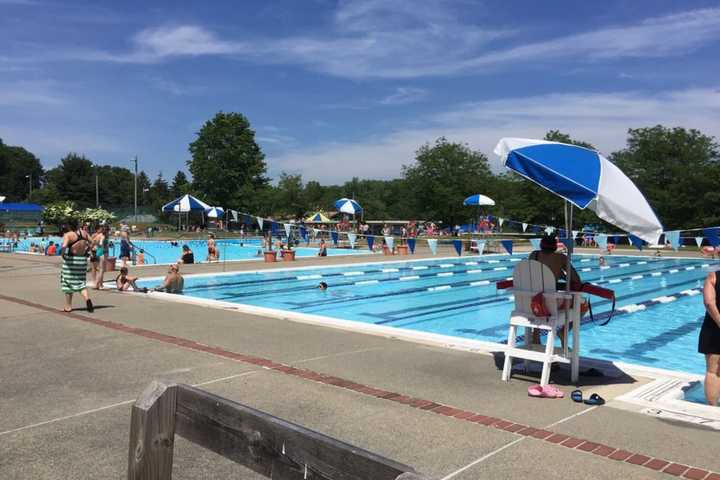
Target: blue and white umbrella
(186,203)
(215,212)
(479,200)
(347,205)
(584,178)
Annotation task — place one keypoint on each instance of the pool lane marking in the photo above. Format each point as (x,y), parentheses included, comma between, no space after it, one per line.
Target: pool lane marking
(419,289)
(429,406)
(336,274)
(253,293)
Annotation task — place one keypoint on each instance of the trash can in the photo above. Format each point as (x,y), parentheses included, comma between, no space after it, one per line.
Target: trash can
(288,255)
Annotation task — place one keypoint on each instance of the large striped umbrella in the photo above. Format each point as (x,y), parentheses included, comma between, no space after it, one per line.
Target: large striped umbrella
(584,178)
(186,203)
(347,205)
(478,200)
(317,218)
(215,212)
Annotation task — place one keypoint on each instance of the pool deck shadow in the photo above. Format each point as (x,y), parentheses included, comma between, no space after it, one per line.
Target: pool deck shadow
(69,381)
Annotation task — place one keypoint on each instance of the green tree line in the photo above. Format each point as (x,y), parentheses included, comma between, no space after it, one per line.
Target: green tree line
(676,169)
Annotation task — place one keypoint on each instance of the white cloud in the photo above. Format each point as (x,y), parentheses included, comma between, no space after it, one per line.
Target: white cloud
(24,93)
(602,119)
(397,39)
(173,87)
(405,95)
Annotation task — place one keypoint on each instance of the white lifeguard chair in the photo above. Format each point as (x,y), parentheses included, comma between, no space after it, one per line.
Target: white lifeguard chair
(531,277)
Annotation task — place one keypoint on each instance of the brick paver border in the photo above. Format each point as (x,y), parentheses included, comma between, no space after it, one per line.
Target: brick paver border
(567,441)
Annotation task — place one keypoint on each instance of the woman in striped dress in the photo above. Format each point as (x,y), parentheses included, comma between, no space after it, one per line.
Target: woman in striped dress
(75,247)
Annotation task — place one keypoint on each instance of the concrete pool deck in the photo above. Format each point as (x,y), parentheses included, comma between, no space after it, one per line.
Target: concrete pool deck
(68,381)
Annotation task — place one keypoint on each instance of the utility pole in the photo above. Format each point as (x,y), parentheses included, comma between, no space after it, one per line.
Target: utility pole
(97,188)
(29,177)
(136,174)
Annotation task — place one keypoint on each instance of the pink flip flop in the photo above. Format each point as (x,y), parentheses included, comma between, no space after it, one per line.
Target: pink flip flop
(535,391)
(552,391)
(548,391)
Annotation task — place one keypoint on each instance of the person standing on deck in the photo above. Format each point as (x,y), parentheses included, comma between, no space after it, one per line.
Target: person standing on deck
(75,247)
(709,341)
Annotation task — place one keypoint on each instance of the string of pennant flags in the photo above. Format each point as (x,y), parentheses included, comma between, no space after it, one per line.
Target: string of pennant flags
(602,240)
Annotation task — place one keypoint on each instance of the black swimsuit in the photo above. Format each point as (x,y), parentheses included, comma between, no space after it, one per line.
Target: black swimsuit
(709,342)
(68,249)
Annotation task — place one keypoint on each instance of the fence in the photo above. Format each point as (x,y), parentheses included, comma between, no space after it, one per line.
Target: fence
(268,445)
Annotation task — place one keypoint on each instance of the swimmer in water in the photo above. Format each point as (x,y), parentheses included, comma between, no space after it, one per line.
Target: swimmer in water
(602,262)
(322,286)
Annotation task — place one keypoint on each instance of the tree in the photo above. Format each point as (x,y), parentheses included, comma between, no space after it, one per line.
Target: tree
(443,175)
(16,164)
(677,170)
(227,164)
(290,198)
(143,187)
(74,179)
(180,185)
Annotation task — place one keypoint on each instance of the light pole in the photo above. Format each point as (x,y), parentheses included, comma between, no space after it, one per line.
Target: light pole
(29,177)
(97,188)
(136,174)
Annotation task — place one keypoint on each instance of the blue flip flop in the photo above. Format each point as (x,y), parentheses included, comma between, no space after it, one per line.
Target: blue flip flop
(595,399)
(576,396)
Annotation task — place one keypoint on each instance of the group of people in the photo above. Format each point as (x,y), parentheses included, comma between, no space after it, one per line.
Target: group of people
(79,247)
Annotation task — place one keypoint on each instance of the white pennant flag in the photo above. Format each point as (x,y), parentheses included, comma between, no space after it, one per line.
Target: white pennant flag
(351,238)
(390,242)
(549,230)
(602,241)
(480,246)
(524,225)
(260,222)
(674,239)
(288,227)
(432,243)
(699,240)
(501,221)
(575,233)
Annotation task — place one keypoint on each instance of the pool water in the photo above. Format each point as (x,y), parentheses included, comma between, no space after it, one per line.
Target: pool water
(163,252)
(658,317)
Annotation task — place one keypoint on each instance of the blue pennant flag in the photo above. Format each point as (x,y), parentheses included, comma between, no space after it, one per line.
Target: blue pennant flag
(561,233)
(615,240)
(636,242)
(411,244)
(535,242)
(334,235)
(273,228)
(370,240)
(712,235)
(536,229)
(507,244)
(458,246)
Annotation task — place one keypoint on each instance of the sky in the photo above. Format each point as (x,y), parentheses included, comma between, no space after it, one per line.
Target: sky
(336,89)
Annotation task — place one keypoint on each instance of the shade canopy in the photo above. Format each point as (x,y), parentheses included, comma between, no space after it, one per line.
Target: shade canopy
(349,206)
(21,207)
(478,200)
(215,212)
(584,178)
(317,218)
(186,203)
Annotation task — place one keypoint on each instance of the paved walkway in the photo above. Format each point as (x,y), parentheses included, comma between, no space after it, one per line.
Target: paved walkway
(68,381)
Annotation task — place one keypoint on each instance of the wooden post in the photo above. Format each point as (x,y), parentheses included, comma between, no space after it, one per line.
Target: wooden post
(152,432)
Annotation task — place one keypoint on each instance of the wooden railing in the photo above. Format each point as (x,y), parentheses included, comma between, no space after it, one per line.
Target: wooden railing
(273,447)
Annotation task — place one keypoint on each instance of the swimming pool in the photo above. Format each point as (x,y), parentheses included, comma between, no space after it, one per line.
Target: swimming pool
(658,317)
(163,252)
